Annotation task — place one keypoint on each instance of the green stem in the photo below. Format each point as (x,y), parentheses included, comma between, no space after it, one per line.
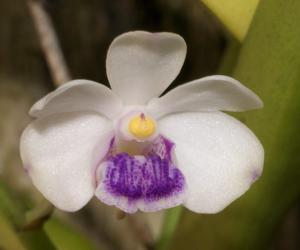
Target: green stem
(171,220)
(38,215)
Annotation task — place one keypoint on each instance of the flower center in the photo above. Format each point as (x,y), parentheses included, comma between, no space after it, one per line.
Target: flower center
(141,126)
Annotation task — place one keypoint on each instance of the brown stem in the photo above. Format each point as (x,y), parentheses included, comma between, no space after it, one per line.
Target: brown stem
(49,43)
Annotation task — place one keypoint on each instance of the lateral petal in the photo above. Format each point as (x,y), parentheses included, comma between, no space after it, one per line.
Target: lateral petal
(78,95)
(212,93)
(219,157)
(60,153)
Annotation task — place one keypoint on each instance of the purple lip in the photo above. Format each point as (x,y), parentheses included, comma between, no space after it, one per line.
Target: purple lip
(149,183)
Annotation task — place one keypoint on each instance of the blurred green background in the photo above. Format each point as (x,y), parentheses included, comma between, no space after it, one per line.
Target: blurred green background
(257,42)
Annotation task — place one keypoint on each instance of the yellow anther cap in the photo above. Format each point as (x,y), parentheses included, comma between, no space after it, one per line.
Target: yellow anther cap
(141,126)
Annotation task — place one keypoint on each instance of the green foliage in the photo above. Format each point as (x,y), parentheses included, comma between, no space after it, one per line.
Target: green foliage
(10,217)
(268,63)
(10,206)
(36,239)
(236,15)
(23,230)
(9,237)
(65,237)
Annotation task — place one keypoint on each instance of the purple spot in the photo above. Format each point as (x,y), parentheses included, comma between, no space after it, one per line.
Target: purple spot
(27,169)
(255,176)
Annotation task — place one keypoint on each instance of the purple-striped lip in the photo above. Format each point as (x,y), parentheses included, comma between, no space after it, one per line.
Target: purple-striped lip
(148,182)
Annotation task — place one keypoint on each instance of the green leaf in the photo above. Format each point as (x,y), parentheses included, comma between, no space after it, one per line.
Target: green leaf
(8,236)
(10,205)
(36,240)
(12,220)
(236,15)
(65,237)
(269,63)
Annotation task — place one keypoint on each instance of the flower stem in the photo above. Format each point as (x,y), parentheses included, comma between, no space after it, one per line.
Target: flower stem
(171,220)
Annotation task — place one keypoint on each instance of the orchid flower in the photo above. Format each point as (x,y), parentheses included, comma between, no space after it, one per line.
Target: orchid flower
(135,150)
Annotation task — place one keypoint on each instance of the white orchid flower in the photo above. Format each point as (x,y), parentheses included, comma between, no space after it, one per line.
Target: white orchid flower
(136,151)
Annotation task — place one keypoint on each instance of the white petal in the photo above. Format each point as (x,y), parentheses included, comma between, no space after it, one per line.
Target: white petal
(78,95)
(210,93)
(60,152)
(218,155)
(141,65)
